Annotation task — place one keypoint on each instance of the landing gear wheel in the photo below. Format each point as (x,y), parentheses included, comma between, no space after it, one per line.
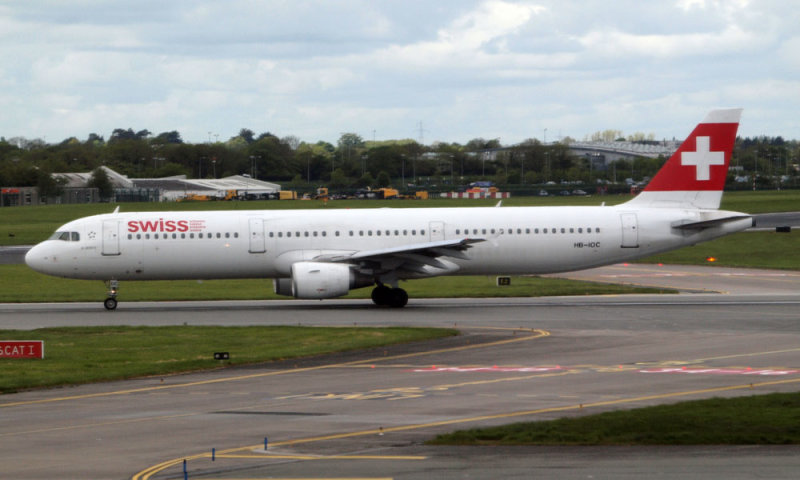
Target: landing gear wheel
(110,303)
(390,297)
(380,295)
(398,298)
(113,288)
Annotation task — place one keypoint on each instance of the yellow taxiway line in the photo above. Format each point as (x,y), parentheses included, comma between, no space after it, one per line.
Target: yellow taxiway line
(534,333)
(149,472)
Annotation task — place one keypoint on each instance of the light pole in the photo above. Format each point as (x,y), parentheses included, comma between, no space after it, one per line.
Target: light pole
(547,164)
(451,171)
(755,170)
(253,165)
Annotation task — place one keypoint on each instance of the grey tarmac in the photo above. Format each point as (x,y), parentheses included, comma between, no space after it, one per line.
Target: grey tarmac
(367,414)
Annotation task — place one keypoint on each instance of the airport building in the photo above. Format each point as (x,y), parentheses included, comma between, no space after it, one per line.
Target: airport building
(75,189)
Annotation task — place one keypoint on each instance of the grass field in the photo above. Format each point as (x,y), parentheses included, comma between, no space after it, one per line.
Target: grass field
(29,225)
(757,420)
(745,249)
(91,354)
(18,283)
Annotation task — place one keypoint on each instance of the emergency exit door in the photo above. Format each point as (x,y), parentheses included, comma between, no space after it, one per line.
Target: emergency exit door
(111,237)
(630,230)
(257,235)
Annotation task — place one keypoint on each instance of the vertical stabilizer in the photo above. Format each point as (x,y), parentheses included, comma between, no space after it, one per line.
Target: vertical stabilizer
(694,176)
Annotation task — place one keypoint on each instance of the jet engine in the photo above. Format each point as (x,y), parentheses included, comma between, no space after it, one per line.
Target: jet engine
(317,280)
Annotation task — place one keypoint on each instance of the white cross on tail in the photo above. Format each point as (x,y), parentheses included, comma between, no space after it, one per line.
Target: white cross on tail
(703,158)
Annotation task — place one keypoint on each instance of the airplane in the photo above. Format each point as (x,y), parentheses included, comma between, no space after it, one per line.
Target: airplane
(313,254)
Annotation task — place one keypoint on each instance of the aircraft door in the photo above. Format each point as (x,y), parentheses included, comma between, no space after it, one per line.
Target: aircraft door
(437,231)
(257,235)
(111,237)
(630,230)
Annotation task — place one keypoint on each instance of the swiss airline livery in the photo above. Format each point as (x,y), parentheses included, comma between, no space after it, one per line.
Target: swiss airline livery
(316,254)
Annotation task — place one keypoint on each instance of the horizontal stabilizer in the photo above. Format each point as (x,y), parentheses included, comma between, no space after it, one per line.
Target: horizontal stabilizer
(710,223)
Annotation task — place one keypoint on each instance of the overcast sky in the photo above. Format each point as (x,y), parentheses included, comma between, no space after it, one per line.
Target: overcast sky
(460,68)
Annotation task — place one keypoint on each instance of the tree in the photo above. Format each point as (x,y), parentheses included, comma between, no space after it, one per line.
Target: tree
(95,139)
(352,140)
(297,182)
(168,137)
(383,180)
(292,141)
(477,144)
(272,158)
(338,179)
(48,186)
(248,135)
(349,151)
(120,134)
(170,170)
(101,182)
(366,180)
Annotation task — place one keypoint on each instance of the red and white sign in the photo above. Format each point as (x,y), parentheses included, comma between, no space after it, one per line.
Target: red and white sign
(21,349)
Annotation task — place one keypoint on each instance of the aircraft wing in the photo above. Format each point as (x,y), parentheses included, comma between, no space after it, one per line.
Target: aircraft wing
(415,260)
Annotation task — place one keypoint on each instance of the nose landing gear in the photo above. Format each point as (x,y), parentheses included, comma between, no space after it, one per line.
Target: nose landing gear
(111,301)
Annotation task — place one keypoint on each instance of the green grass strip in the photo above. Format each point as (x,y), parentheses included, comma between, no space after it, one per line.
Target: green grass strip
(75,355)
(756,420)
(745,249)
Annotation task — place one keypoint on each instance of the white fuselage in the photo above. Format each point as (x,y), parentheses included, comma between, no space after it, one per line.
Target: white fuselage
(265,243)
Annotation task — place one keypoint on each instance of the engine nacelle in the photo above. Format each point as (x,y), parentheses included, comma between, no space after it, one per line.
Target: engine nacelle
(317,280)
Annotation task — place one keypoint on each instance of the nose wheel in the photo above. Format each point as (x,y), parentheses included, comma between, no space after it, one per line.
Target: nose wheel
(111,301)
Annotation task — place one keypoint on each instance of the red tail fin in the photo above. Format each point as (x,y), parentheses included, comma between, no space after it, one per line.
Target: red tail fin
(694,175)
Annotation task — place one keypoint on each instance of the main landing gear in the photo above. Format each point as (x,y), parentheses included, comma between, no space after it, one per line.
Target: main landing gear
(111,301)
(390,297)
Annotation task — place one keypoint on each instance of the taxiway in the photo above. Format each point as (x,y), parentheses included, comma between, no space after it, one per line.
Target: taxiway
(367,414)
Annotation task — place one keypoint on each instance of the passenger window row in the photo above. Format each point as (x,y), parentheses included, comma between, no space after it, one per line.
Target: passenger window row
(192,235)
(526,231)
(350,233)
(73,236)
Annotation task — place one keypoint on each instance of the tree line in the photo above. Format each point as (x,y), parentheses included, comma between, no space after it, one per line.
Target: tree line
(353,162)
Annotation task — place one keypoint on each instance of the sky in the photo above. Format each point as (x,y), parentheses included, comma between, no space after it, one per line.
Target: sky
(449,70)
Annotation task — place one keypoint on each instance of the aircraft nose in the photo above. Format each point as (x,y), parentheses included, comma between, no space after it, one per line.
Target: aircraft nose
(36,258)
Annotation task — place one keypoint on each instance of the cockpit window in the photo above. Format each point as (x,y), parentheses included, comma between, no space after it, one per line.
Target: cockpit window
(65,236)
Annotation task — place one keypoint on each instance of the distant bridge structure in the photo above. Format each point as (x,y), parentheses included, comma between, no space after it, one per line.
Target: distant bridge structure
(614,151)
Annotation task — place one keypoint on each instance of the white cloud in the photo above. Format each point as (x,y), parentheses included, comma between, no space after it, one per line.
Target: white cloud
(732,40)
(466,37)
(466,68)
